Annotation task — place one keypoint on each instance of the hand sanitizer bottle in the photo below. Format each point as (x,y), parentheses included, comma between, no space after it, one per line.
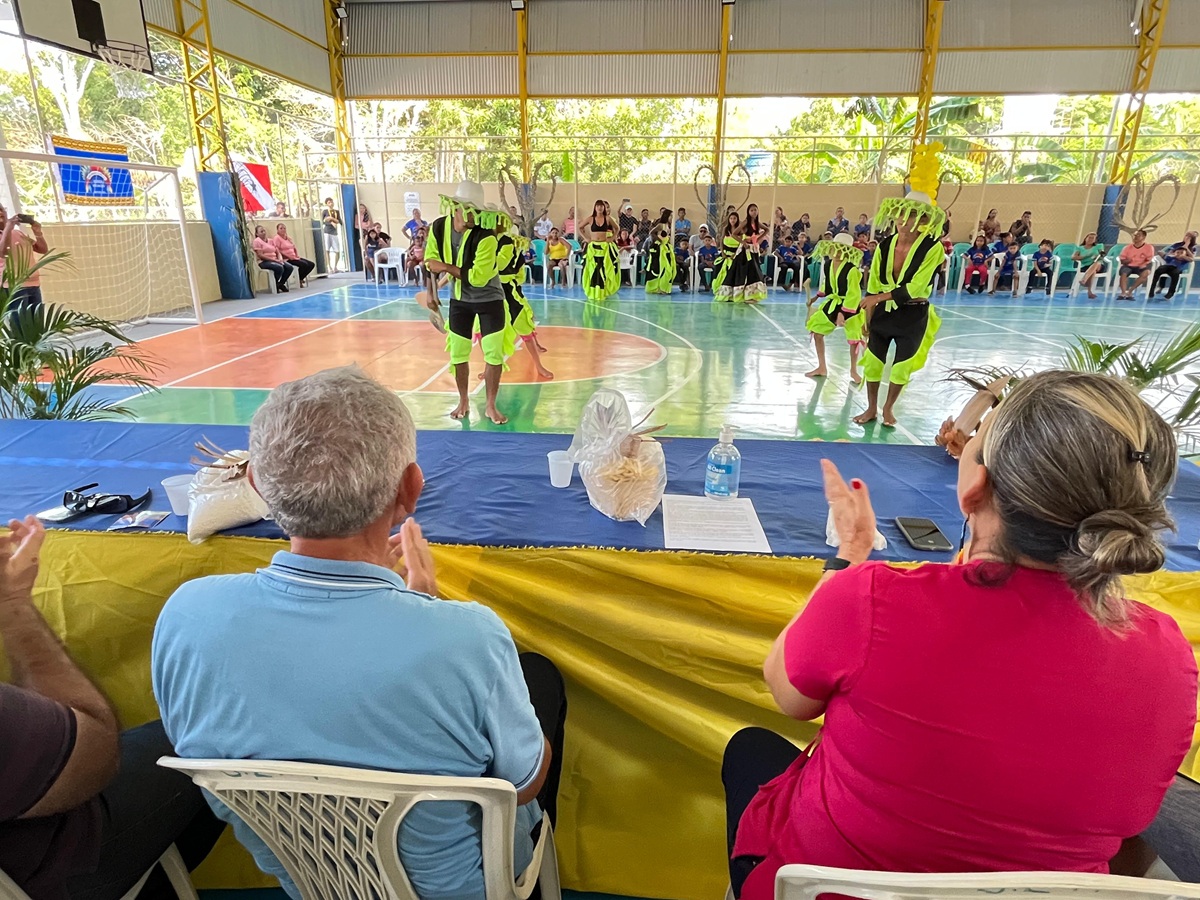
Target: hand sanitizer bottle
(724,469)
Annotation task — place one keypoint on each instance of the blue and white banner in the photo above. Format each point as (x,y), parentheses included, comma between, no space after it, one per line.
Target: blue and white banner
(93,184)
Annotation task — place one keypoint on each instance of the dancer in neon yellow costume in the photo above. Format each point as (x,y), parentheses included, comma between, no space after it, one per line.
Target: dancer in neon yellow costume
(462,245)
(840,306)
(661,265)
(510,259)
(898,290)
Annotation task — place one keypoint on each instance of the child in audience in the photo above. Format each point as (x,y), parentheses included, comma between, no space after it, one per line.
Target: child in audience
(625,256)
(862,229)
(1042,267)
(1001,242)
(683,261)
(869,254)
(860,240)
(1011,259)
(558,258)
(706,259)
(1089,255)
(789,262)
(975,275)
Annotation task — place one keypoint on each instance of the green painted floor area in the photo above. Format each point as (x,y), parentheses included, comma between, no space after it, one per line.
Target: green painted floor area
(741,365)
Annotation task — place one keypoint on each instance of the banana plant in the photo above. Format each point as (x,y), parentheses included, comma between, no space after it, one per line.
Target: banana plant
(47,368)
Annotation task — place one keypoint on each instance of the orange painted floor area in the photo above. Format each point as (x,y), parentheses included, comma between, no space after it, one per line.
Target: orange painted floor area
(404,355)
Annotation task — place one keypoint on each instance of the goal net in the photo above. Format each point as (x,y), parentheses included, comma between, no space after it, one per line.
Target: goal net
(129,249)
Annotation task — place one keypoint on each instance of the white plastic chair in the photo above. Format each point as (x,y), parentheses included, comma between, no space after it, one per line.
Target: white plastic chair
(800,258)
(334,829)
(171,862)
(394,263)
(809,882)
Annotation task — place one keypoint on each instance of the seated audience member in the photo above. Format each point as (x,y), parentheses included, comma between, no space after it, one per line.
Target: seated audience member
(918,671)
(802,225)
(838,223)
(376,239)
(280,209)
(942,276)
(696,241)
(543,226)
(416,254)
(780,226)
(328,656)
(860,241)
(976,274)
(568,229)
(869,254)
(413,225)
(269,259)
(991,225)
(1090,257)
(287,250)
(1010,262)
(790,263)
(706,259)
(1002,242)
(683,262)
(85,811)
(1175,258)
(862,229)
(803,245)
(1135,262)
(558,258)
(1022,229)
(1041,267)
(683,225)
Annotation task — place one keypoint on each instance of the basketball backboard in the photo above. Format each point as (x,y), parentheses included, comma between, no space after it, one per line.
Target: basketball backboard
(105,29)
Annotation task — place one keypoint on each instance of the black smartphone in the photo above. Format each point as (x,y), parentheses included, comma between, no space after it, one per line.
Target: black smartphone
(25,219)
(923,534)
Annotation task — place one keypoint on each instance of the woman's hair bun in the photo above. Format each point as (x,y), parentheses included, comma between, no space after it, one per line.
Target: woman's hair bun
(1121,542)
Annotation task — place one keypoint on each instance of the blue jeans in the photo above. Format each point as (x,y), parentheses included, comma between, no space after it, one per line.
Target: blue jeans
(146,809)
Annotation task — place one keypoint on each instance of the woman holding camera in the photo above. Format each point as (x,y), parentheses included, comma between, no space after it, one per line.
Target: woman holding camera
(17,247)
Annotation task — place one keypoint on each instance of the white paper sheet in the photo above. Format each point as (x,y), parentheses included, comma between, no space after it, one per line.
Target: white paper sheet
(698,523)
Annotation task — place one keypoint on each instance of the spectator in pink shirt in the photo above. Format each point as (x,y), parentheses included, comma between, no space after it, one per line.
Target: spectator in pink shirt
(269,258)
(1135,262)
(1011,711)
(289,253)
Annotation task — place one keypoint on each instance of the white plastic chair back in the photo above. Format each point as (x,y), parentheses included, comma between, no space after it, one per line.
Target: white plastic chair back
(393,261)
(171,862)
(334,829)
(809,882)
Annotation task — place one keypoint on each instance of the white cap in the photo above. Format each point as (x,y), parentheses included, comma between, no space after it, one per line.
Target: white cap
(842,238)
(919,197)
(470,193)
(727,434)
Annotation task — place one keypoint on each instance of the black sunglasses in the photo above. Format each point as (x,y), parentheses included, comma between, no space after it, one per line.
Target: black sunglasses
(79,502)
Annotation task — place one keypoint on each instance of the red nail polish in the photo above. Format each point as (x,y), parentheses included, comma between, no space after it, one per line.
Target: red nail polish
(856,483)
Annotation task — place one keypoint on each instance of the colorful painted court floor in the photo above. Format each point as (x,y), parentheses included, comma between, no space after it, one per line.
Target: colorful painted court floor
(696,363)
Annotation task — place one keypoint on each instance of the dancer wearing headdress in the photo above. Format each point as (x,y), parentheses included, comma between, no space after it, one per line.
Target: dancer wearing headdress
(898,290)
(660,262)
(462,245)
(510,260)
(601,277)
(840,307)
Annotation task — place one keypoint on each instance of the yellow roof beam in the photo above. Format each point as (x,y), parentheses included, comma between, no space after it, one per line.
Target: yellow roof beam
(1149,21)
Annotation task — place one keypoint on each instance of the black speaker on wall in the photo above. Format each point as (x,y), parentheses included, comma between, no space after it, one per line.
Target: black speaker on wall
(89,22)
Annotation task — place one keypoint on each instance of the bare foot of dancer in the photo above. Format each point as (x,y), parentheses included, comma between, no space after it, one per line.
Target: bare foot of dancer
(889,418)
(462,411)
(864,418)
(541,349)
(497,417)
(818,372)
(856,378)
(543,372)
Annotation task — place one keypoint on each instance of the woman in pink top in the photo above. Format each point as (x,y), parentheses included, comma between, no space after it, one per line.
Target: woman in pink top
(269,258)
(14,242)
(287,250)
(1009,712)
(1135,263)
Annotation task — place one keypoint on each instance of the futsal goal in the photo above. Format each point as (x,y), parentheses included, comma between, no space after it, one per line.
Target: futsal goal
(122,225)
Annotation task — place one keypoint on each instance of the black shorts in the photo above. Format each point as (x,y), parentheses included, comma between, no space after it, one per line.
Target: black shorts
(905,327)
(1133,270)
(493,316)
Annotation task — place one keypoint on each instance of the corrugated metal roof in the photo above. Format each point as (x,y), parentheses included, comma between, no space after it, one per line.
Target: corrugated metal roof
(822,74)
(1034,72)
(452,26)
(160,13)
(1176,70)
(243,34)
(304,16)
(679,74)
(823,24)
(1183,22)
(1037,23)
(585,26)
(436,76)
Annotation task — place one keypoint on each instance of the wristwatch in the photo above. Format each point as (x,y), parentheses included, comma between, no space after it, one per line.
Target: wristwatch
(836,564)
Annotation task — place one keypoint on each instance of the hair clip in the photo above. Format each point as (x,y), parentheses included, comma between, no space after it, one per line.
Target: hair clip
(1142,456)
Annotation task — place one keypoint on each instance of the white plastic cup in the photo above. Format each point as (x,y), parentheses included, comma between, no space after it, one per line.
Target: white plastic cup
(177,493)
(560,468)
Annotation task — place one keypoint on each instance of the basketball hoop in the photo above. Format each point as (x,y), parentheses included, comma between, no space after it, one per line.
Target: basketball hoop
(124,55)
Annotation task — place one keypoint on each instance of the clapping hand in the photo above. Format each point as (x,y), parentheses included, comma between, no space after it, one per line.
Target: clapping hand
(19,553)
(411,557)
(853,516)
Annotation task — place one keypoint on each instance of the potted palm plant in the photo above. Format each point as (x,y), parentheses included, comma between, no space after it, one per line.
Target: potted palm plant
(53,358)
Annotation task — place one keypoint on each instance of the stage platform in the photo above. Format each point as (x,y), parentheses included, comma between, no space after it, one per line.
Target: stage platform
(662,651)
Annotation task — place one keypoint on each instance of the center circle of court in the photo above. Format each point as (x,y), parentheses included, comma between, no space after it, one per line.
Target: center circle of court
(404,356)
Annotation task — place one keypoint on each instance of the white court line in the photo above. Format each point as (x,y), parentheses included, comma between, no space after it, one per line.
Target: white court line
(908,434)
(955,312)
(780,329)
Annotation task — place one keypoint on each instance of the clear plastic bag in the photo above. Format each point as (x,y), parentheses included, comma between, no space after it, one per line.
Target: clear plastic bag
(221,496)
(624,471)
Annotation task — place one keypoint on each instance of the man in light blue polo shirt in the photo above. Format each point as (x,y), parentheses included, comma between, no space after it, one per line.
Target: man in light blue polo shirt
(327,656)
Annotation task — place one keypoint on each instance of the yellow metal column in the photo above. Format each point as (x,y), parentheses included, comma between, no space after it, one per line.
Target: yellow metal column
(929,55)
(343,142)
(1149,38)
(523,87)
(201,87)
(722,73)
